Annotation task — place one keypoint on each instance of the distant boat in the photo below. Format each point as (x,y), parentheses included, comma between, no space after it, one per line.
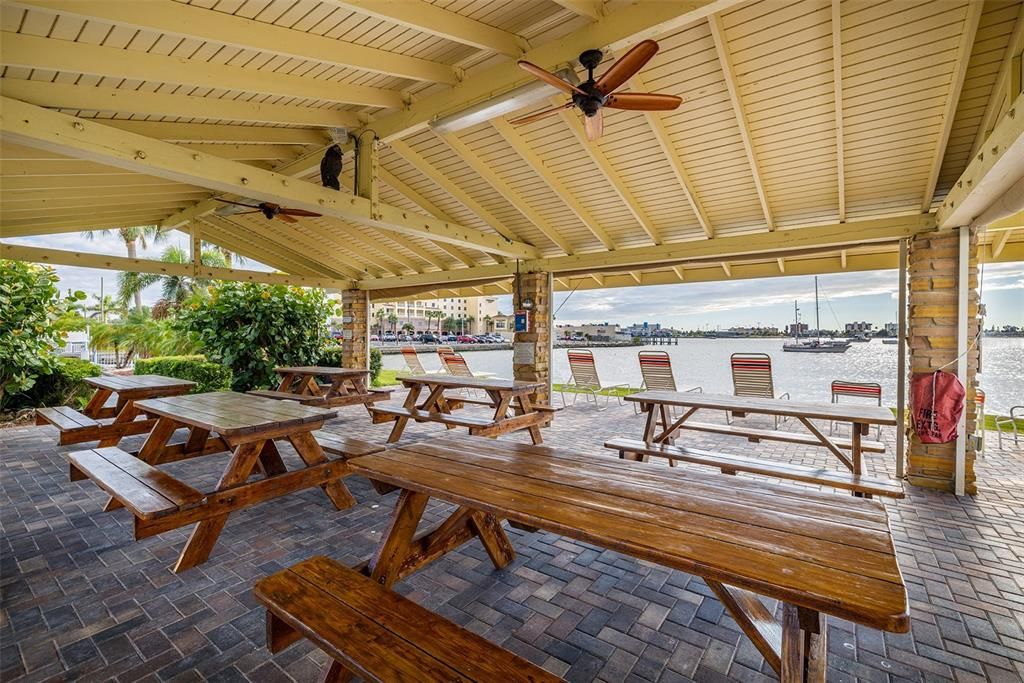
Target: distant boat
(813,345)
(890,340)
(859,337)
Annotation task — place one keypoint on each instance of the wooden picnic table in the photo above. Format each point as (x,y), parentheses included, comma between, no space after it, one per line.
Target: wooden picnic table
(817,552)
(244,424)
(658,405)
(115,397)
(345,387)
(503,394)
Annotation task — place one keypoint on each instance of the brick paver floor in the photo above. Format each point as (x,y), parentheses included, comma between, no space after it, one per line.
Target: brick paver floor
(82,601)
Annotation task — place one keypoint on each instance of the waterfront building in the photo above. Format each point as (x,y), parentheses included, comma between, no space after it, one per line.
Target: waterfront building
(594,332)
(855,327)
(423,314)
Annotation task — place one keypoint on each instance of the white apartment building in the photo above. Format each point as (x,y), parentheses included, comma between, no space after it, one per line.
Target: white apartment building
(473,310)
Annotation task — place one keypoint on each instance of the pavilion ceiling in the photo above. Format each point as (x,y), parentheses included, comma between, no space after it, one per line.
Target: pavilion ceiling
(803,113)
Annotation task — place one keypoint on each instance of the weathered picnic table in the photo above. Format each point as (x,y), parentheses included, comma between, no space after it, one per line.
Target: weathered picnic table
(115,397)
(818,552)
(503,395)
(247,425)
(346,387)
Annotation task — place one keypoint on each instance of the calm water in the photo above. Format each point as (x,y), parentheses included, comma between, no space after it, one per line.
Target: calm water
(806,376)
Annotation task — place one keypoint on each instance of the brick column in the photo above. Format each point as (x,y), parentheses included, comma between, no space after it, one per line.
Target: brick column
(355,328)
(933,265)
(536,342)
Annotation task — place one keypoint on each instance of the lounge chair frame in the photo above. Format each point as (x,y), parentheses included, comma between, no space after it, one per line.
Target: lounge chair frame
(752,376)
(586,381)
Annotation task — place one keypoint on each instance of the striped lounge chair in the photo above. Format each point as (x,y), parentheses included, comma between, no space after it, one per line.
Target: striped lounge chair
(656,371)
(585,380)
(752,376)
(412,361)
(866,390)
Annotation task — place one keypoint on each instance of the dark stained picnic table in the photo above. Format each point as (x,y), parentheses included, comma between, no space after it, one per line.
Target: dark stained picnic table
(503,395)
(345,387)
(819,553)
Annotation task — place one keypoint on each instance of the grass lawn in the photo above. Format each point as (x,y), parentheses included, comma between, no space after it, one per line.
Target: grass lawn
(386,378)
(616,391)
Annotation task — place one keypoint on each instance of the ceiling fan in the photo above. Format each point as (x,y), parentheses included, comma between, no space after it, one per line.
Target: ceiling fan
(592,95)
(270,210)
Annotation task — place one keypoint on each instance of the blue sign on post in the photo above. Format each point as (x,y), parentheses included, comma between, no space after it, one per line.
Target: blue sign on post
(522,321)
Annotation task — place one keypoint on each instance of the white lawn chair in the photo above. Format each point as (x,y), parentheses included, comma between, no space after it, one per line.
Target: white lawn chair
(752,376)
(656,371)
(867,390)
(585,380)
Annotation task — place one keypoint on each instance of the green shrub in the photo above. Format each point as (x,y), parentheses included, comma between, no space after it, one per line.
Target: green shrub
(251,328)
(330,356)
(60,386)
(376,362)
(208,376)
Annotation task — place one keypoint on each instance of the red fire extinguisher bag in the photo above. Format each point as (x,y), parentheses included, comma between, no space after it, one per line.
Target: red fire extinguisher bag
(936,403)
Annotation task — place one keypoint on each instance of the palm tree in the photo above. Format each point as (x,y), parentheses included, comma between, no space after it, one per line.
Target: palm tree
(393,321)
(175,288)
(380,315)
(132,237)
(488,323)
(101,308)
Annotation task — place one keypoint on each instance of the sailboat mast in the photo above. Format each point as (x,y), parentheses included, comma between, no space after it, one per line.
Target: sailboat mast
(817,318)
(796,322)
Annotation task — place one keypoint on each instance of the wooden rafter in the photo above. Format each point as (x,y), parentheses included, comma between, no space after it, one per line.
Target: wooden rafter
(125,101)
(591,9)
(727,269)
(193,21)
(837,78)
(533,160)
(729,74)
(437,177)
(599,158)
(511,195)
(34,52)
(46,227)
(85,139)
(956,84)
(171,131)
(1000,89)
(231,238)
(432,19)
(1000,244)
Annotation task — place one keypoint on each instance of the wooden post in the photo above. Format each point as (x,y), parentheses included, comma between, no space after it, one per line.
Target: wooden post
(532,348)
(901,367)
(961,349)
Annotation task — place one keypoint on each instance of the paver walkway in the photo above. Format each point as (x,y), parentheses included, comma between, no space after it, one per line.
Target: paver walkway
(81,600)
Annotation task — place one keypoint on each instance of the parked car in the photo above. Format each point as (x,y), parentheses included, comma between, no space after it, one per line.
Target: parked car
(465,339)
(390,338)
(374,337)
(450,338)
(429,338)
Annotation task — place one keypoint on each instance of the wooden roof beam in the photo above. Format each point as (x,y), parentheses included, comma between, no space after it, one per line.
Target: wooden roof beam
(591,9)
(126,101)
(956,84)
(511,195)
(194,21)
(1001,92)
(172,131)
(533,160)
(89,140)
(729,74)
(34,52)
(593,149)
(437,21)
(837,78)
(53,227)
(1000,244)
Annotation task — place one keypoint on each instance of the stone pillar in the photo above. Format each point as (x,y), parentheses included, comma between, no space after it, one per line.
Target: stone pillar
(933,265)
(534,344)
(355,328)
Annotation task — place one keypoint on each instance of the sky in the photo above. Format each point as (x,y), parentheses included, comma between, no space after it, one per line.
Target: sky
(845,297)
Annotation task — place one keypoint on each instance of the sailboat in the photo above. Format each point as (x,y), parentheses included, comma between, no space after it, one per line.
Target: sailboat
(813,345)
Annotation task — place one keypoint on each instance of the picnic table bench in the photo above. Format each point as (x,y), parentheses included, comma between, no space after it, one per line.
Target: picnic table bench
(817,552)
(347,386)
(503,395)
(247,425)
(378,635)
(115,397)
(659,404)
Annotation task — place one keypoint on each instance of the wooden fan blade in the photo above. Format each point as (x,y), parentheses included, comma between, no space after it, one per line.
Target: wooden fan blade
(540,115)
(548,77)
(298,212)
(646,101)
(628,64)
(594,125)
(228,201)
(286,218)
(246,213)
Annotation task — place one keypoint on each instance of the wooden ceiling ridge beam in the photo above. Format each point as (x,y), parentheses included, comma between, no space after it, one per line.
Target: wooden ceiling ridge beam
(173,131)
(511,195)
(729,74)
(533,160)
(20,252)
(593,150)
(613,31)
(434,20)
(837,78)
(763,245)
(194,21)
(35,52)
(956,84)
(990,173)
(657,124)
(438,178)
(1001,93)
(90,140)
(126,101)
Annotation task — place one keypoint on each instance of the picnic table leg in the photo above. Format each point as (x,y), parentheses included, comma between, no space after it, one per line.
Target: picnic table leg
(337,673)
(204,536)
(286,382)
(494,539)
(95,404)
(400,421)
(397,541)
(525,408)
(827,442)
(306,445)
(804,645)
(126,414)
(270,462)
